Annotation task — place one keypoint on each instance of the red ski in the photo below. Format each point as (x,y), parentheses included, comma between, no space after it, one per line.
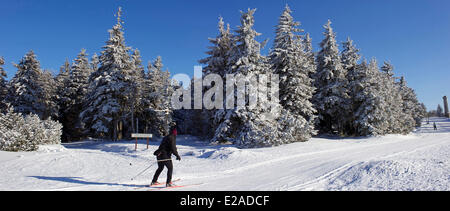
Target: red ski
(156,185)
(171,187)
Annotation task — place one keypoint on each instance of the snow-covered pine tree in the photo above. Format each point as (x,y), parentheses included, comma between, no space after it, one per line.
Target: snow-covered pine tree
(26,93)
(216,63)
(110,87)
(388,69)
(244,57)
(160,110)
(140,89)
(356,78)
(218,54)
(331,98)
(12,136)
(311,65)
(61,81)
(368,116)
(398,121)
(289,60)
(439,111)
(3,86)
(245,125)
(75,90)
(411,104)
(19,133)
(350,57)
(94,62)
(50,96)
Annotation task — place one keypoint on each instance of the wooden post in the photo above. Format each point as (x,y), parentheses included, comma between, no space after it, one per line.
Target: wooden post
(141,135)
(135,146)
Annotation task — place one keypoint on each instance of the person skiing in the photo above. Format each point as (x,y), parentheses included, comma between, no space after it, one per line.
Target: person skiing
(434,126)
(163,155)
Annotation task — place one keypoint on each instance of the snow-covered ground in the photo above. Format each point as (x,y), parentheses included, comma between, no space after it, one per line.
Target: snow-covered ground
(419,161)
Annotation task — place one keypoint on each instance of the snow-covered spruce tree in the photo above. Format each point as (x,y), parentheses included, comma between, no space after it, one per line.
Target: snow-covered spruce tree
(75,91)
(216,63)
(94,62)
(109,88)
(61,81)
(50,96)
(356,78)
(439,111)
(411,104)
(350,57)
(398,121)
(26,92)
(261,125)
(311,58)
(12,136)
(289,60)
(331,98)
(3,86)
(369,116)
(219,52)
(160,110)
(140,89)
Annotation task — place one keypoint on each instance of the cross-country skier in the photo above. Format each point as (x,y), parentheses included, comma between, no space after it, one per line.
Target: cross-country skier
(434,126)
(163,155)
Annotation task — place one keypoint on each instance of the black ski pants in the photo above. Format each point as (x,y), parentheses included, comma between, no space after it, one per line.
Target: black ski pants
(168,164)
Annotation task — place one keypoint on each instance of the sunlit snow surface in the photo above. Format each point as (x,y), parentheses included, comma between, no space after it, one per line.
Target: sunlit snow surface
(419,161)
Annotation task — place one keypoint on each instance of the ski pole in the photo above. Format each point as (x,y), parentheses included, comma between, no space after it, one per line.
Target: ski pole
(142,172)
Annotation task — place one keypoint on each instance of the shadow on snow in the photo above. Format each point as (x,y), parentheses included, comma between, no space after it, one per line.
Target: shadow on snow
(79,180)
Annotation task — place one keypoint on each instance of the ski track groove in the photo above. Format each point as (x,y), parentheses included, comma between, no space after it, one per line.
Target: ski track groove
(301,166)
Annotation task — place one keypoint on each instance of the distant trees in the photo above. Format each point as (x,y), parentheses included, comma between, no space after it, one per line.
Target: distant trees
(290,60)
(119,91)
(30,87)
(349,97)
(3,85)
(331,98)
(439,111)
(107,97)
(111,96)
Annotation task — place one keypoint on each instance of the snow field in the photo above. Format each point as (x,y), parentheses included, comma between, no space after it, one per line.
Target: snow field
(419,161)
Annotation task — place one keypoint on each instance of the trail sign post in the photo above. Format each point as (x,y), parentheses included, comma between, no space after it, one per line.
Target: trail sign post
(141,135)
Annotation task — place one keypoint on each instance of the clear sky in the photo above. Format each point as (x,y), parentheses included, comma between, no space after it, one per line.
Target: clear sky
(413,34)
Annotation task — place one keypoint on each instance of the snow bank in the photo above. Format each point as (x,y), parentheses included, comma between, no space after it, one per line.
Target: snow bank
(419,161)
(51,148)
(393,175)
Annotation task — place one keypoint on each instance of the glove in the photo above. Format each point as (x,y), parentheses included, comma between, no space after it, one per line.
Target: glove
(179,158)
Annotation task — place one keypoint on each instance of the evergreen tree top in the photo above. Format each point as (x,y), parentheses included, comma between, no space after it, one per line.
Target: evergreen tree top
(388,68)
(350,56)
(29,63)
(286,29)
(329,44)
(2,71)
(119,15)
(246,53)
(157,64)
(115,54)
(246,34)
(307,42)
(65,68)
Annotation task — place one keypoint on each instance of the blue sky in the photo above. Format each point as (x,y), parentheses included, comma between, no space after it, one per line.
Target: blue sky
(413,34)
